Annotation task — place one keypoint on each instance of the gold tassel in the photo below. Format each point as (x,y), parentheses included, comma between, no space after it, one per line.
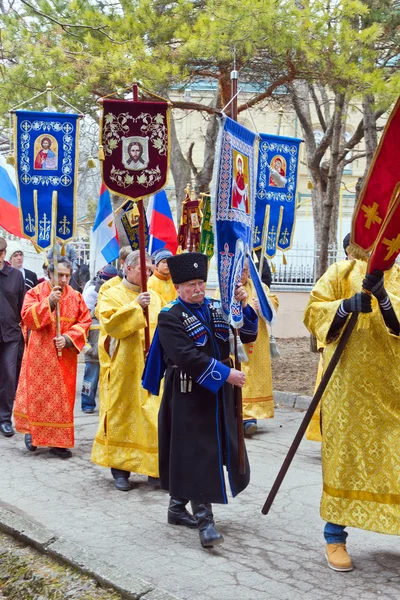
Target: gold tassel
(273,347)
(10,160)
(284,258)
(310,185)
(101,153)
(91,163)
(37,248)
(179,251)
(62,253)
(273,268)
(45,261)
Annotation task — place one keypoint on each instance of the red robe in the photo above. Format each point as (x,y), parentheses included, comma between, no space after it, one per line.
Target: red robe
(240,198)
(44,403)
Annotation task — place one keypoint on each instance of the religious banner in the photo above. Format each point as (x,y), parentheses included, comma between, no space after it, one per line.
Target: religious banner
(130,222)
(380,187)
(46,146)
(135,147)
(387,245)
(190,225)
(234,190)
(278,159)
(207,234)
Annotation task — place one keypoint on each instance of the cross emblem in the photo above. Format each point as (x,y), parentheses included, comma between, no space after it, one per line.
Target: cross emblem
(30,226)
(64,229)
(256,234)
(26,126)
(372,215)
(65,180)
(393,246)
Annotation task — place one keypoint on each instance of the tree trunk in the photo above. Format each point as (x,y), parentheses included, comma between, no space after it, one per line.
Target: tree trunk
(371,139)
(181,171)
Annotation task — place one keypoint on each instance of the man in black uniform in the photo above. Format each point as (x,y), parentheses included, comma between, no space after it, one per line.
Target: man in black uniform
(197,419)
(12,291)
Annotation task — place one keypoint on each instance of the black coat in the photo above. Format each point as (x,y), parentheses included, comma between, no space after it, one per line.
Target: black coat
(12,292)
(31,279)
(197,427)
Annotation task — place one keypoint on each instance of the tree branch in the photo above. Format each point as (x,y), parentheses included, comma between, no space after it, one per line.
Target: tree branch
(317,107)
(189,158)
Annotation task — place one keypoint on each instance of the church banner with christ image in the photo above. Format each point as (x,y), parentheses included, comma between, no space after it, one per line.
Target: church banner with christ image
(278,160)
(46,148)
(233,194)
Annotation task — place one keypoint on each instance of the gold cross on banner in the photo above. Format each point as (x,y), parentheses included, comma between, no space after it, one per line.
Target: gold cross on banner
(393,246)
(371,212)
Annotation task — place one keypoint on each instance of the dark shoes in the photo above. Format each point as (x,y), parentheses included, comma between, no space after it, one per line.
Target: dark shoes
(7,429)
(122,484)
(88,411)
(178,515)
(209,536)
(154,482)
(250,428)
(28,443)
(60,452)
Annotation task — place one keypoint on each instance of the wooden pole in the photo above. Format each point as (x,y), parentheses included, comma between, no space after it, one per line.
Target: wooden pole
(311,409)
(142,249)
(55,261)
(237,390)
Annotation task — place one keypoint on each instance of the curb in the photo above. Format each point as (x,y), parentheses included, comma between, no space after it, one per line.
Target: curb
(292,400)
(41,538)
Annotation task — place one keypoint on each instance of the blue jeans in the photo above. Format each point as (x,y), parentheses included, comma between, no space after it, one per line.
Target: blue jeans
(335,534)
(89,385)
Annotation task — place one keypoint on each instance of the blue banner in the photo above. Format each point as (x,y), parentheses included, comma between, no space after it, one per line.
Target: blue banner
(130,223)
(46,162)
(234,181)
(278,160)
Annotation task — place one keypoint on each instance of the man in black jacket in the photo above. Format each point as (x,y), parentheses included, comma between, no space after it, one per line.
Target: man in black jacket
(197,418)
(15,256)
(12,291)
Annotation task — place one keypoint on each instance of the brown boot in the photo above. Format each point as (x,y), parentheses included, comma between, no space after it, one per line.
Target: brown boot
(338,558)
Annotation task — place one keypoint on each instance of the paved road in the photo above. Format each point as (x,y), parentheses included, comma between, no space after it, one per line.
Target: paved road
(281,555)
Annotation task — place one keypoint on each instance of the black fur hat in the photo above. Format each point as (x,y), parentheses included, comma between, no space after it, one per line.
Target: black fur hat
(188,266)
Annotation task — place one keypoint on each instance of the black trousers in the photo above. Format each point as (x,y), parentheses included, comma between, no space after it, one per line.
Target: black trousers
(8,378)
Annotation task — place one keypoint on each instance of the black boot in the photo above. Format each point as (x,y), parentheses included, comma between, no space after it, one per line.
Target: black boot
(178,515)
(209,536)
(28,443)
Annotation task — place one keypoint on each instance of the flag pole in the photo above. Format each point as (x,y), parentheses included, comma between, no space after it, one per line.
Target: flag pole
(142,249)
(237,390)
(55,261)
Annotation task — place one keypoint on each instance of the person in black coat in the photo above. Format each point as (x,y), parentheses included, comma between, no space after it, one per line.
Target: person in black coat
(12,291)
(197,418)
(15,256)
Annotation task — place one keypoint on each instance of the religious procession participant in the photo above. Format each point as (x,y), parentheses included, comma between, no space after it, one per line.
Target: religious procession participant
(44,404)
(161,281)
(258,401)
(15,256)
(360,412)
(197,419)
(12,290)
(126,439)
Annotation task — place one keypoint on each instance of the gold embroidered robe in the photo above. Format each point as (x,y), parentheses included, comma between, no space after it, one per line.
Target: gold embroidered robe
(44,403)
(163,286)
(127,434)
(360,407)
(313,431)
(258,402)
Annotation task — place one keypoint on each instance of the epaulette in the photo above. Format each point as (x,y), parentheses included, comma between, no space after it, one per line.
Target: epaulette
(170,305)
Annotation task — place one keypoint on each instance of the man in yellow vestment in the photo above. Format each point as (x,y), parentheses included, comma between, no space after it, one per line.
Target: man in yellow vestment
(360,407)
(258,402)
(126,439)
(161,281)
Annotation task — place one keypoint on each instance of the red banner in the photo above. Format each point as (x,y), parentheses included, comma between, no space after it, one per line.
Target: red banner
(136,146)
(387,245)
(379,189)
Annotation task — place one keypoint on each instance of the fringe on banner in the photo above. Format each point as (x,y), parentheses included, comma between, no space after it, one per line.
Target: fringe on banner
(241,352)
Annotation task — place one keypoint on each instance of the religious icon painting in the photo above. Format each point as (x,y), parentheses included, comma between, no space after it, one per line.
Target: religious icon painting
(278,163)
(240,182)
(135,141)
(46,152)
(135,152)
(46,149)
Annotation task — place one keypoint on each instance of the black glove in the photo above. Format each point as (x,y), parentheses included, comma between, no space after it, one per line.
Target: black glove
(359,303)
(374,283)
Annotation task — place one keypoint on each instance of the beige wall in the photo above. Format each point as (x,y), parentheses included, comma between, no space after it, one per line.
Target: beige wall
(289,321)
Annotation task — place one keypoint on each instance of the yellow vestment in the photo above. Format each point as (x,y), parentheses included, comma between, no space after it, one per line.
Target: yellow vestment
(163,286)
(258,402)
(360,407)
(127,434)
(313,431)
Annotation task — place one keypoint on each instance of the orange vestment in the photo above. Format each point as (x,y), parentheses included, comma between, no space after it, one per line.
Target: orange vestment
(44,403)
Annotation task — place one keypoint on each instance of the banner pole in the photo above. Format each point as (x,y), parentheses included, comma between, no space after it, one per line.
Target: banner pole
(142,242)
(55,261)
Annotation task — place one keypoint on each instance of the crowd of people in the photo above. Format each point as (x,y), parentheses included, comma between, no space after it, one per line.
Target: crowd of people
(169,413)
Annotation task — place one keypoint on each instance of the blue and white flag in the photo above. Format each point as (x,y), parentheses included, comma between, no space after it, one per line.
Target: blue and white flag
(233,195)
(278,159)
(46,164)
(104,246)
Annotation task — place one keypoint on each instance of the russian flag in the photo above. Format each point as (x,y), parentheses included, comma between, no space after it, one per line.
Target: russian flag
(104,246)
(162,231)
(9,210)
